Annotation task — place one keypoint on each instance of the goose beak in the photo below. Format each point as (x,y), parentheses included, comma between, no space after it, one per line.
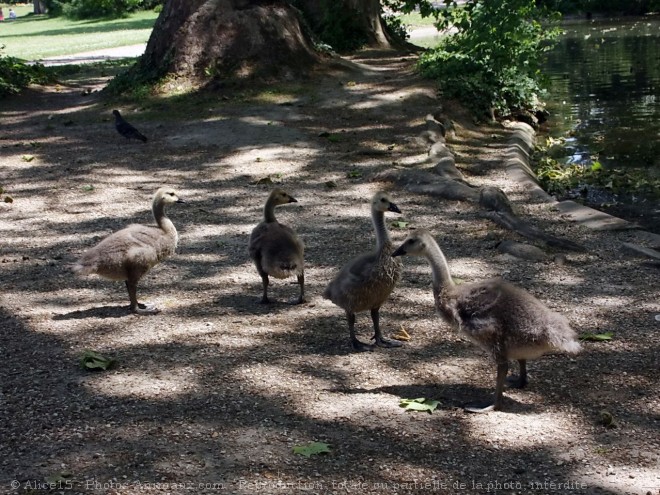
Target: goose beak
(179,200)
(394,208)
(399,252)
(292,199)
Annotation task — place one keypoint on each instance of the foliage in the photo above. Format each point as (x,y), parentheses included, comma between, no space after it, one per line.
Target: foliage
(597,337)
(395,26)
(340,27)
(312,448)
(93,9)
(16,75)
(93,361)
(626,7)
(559,179)
(420,404)
(492,60)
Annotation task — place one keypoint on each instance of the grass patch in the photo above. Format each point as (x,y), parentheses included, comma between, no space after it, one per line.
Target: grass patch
(415,20)
(33,37)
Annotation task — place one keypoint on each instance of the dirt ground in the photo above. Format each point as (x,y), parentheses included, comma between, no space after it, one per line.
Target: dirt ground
(212,394)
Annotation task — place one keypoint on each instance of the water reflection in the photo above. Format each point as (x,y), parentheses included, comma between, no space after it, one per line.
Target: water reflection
(604,80)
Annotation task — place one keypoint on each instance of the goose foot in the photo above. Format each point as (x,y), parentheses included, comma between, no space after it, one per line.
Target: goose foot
(480,408)
(515,381)
(298,300)
(264,300)
(361,346)
(145,309)
(383,342)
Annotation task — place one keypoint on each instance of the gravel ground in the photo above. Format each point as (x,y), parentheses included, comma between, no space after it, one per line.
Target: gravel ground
(212,394)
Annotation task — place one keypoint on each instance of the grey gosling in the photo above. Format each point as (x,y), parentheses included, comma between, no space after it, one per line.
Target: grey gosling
(275,248)
(506,321)
(366,282)
(129,253)
(126,129)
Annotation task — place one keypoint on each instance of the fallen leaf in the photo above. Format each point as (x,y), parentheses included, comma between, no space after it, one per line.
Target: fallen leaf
(401,335)
(597,337)
(312,448)
(421,404)
(27,158)
(399,224)
(92,360)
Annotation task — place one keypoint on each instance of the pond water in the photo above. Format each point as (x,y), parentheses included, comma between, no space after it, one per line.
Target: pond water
(604,97)
(605,92)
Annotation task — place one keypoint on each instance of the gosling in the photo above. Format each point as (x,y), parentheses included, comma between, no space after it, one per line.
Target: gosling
(130,253)
(506,321)
(276,249)
(366,282)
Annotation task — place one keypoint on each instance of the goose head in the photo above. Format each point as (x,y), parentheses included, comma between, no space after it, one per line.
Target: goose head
(416,244)
(281,197)
(167,195)
(382,202)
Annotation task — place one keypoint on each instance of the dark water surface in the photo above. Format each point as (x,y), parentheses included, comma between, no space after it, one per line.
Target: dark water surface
(605,97)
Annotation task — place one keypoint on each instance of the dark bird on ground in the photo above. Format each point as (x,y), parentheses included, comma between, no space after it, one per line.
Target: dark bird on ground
(128,254)
(366,282)
(126,129)
(504,320)
(275,248)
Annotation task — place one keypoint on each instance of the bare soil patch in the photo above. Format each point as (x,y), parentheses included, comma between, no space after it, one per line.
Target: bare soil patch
(212,394)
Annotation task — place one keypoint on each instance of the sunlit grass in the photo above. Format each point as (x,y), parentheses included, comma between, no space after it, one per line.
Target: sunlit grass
(33,37)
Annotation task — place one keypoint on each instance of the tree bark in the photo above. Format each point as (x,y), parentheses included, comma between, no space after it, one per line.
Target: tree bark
(39,7)
(219,39)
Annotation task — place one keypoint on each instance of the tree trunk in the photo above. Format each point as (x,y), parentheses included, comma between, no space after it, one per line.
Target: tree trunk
(219,39)
(39,7)
(364,16)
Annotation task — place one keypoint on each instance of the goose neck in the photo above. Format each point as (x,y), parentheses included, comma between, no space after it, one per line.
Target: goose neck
(382,235)
(269,211)
(439,267)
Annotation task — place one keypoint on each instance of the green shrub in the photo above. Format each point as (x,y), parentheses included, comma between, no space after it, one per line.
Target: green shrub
(492,61)
(93,9)
(16,75)
(340,27)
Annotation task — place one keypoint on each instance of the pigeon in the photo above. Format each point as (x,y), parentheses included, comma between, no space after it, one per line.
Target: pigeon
(126,129)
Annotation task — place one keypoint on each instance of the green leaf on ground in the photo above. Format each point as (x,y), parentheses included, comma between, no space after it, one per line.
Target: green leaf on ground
(354,174)
(421,404)
(597,337)
(92,360)
(27,158)
(87,188)
(399,224)
(312,448)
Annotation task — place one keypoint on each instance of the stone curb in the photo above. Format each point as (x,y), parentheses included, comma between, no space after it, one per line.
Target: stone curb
(517,165)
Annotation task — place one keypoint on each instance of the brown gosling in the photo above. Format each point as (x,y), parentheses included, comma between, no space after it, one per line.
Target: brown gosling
(276,249)
(366,282)
(130,253)
(506,321)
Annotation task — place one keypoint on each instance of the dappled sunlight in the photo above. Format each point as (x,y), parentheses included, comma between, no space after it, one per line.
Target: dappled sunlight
(165,384)
(548,429)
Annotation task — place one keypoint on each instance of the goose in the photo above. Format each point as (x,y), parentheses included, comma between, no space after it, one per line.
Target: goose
(126,129)
(366,281)
(275,248)
(129,253)
(505,320)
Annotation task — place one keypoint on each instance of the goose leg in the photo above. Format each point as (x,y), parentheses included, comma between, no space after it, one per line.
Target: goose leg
(136,307)
(378,336)
(519,381)
(357,345)
(301,282)
(496,405)
(264,281)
